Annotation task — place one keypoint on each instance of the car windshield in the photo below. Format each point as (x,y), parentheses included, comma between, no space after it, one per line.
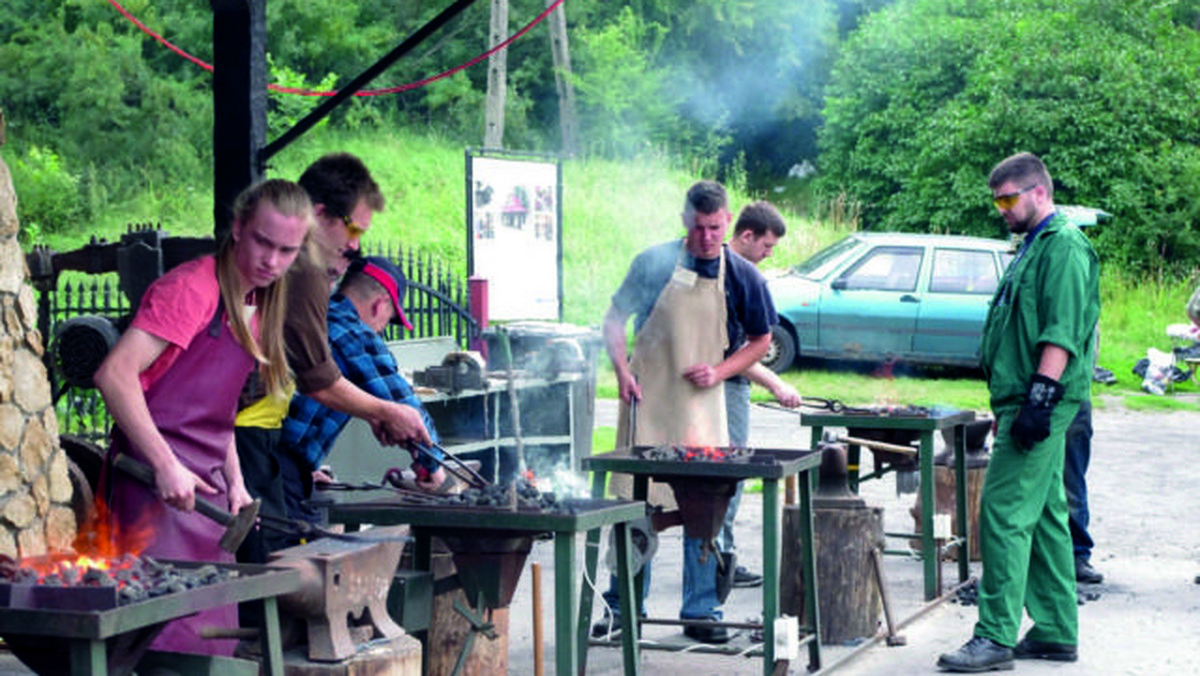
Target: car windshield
(819,264)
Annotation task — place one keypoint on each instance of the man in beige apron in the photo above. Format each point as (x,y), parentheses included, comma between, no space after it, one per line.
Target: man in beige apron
(691,300)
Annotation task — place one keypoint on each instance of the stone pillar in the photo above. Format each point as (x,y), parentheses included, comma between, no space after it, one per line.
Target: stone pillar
(35,491)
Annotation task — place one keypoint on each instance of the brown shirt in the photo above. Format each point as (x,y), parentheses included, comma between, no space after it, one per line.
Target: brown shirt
(305,332)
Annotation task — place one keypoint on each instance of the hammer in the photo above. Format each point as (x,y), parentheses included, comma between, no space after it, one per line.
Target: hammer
(237,527)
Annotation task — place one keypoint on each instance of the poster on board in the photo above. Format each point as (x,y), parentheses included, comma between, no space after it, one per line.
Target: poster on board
(514,236)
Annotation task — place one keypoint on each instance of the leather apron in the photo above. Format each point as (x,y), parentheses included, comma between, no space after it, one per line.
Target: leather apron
(686,326)
(193,405)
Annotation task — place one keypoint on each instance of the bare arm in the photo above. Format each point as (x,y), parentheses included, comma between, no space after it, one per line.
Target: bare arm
(1054,361)
(394,423)
(117,380)
(614,344)
(784,393)
(239,497)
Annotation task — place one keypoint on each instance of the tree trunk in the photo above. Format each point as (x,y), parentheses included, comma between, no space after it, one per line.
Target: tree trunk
(849,601)
(493,134)
(562,81)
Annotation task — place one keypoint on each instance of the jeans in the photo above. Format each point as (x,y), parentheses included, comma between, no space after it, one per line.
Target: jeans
(699,585)
(1078,454)
(737,412)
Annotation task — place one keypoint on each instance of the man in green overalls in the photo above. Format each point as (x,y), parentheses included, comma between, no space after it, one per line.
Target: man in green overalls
(1037,356)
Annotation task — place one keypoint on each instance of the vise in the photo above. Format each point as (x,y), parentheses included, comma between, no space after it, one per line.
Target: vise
(458,371)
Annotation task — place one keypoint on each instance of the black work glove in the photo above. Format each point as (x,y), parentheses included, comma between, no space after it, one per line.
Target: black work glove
(1033,420)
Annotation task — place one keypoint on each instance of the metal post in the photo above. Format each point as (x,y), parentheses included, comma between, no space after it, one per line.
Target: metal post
(961,506)
(566,654)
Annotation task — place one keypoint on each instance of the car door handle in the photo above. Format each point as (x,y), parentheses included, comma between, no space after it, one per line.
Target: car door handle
(909,298)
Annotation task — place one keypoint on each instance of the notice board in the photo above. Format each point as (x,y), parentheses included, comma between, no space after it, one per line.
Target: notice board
(514,232)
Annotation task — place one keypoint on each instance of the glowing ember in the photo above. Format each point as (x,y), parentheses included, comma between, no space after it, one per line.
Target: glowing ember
(675,453)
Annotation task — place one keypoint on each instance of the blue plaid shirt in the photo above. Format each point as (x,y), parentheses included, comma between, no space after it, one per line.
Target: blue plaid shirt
(310,428)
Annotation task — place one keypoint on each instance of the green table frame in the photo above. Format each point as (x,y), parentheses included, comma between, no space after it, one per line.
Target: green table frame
(589,515)
(802,464)
(926,426)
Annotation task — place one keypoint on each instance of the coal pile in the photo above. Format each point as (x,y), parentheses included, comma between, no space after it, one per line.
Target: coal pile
(677,453)
(893,411)
(131,578)
(501,496)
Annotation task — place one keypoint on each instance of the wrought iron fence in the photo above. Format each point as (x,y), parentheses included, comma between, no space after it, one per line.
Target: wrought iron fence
(436,303)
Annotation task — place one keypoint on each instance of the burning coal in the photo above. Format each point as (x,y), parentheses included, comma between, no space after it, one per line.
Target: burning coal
(132,578)
(676,453)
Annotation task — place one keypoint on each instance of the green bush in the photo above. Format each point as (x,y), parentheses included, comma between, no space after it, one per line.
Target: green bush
(49,199)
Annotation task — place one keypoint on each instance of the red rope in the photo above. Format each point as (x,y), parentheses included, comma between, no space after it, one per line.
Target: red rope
(368,92)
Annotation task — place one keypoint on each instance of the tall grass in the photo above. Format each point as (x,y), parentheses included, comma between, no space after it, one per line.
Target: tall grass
(612,210)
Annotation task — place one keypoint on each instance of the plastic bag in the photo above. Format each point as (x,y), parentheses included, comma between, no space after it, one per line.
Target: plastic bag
(1158,371)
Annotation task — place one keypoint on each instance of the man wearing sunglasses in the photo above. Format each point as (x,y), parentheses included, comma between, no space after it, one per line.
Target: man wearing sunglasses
(345,198)
(1037,354)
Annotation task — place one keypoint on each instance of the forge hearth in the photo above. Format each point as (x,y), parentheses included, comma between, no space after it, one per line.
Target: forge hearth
(53,640)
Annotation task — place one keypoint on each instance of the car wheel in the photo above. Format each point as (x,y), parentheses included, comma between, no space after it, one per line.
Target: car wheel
(782,352)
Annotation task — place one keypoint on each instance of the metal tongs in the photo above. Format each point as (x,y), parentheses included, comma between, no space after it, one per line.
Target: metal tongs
(831,405)
(462,471)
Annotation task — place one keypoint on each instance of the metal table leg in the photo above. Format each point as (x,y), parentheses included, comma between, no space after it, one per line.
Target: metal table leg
(89,657)
(272,649)
(930,559)
(808,560)
(566,652)
(591,562)
(771,526)
(961,507)
(629,613)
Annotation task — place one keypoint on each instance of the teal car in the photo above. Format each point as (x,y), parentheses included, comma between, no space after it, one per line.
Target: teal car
(888,297)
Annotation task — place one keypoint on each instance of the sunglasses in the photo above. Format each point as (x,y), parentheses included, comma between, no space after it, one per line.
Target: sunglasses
(1009,200)
(355,230)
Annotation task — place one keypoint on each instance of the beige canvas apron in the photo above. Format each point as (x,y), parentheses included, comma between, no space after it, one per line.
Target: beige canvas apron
(685,327)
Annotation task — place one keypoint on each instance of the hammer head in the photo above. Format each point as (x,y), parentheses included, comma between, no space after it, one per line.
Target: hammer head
(239,527)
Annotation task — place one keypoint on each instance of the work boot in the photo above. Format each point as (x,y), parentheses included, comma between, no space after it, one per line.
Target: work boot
(1085,574)
(703,634)
(978,654)
(608,628)
(1032,649)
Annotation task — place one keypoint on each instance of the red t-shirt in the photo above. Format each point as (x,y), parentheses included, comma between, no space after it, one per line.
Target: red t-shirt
(176,308)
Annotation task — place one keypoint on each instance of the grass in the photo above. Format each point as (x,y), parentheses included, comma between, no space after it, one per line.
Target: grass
(612,210)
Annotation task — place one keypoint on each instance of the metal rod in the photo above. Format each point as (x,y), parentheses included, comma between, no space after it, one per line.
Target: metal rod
(352,88)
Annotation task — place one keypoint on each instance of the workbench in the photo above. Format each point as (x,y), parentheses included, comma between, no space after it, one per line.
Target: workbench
(784,463)
(565,524)
(926,425)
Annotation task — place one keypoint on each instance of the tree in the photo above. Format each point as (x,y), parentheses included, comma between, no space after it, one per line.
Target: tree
(929,94)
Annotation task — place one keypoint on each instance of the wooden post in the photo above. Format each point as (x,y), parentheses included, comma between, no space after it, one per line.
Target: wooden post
(448,630)
(239,102)
(944,490)
(493,134)
(561,54)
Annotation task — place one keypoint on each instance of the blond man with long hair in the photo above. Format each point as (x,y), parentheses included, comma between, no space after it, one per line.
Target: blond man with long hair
(172,382)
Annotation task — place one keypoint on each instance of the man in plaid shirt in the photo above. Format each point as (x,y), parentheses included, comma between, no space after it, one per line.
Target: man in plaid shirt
(367,300)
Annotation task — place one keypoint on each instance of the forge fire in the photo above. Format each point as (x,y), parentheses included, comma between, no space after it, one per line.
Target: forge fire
(131,578)
(676,453)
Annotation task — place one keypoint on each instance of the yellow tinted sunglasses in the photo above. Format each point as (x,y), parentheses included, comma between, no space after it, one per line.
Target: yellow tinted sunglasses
(355,230)
(1009,200)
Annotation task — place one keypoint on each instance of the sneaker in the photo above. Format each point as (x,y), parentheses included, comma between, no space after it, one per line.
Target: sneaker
(607,628)
(1085,574)
(1031,649)
(744,578)
(978,655)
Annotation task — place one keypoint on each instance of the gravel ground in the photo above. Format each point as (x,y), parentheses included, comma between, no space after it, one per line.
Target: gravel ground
(1145,618)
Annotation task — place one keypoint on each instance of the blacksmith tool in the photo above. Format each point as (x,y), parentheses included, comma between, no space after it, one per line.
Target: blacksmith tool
(441,456)
(237,527)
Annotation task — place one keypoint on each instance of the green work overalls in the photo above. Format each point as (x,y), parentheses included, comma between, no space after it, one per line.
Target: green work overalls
(1049,294)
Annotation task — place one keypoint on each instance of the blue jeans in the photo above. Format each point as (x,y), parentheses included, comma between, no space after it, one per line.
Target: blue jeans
(1078,455)
(699,585)
(737,413)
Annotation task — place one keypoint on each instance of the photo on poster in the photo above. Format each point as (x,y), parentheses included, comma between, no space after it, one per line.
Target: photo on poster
(515,221)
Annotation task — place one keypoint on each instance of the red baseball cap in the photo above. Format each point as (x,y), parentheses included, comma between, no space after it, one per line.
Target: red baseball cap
(386,273)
